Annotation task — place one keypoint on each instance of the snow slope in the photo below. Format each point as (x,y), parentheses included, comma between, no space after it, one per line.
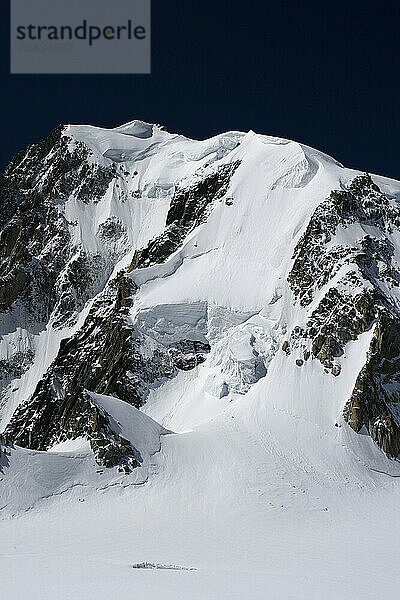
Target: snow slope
(250,476)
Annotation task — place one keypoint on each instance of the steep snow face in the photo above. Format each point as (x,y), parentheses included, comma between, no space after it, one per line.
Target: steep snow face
(199,367)
(256,207)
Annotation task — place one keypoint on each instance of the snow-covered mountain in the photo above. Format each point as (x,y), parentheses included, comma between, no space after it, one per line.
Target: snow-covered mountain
(199,370)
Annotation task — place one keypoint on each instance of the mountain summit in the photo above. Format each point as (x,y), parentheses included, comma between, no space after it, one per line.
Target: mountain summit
(199,338)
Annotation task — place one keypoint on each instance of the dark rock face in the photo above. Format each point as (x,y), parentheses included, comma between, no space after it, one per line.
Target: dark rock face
(15,366)
(342,315)
(317,259)
(4,453)
(58,166)
(109,448)
(353,304)
(374,402)
(78,416)
(188,354)
(35,229)
(43,275)
(35,244)
(189,208)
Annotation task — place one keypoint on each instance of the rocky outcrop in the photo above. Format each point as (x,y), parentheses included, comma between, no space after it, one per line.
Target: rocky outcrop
(35,239)
(317,258)
(4,453)
(346,311)
(375,400)
(81,417)
(353,303)
(107,356)
(44,274)
(109,448)
(34,247)
(189,208)
(15,366)
(58,166)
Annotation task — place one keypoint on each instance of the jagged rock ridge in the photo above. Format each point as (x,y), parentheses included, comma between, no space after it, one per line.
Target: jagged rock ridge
(355,303)
(107,356)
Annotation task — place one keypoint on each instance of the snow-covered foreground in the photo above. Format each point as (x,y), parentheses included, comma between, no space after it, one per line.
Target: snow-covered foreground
(264,501)
(250,484)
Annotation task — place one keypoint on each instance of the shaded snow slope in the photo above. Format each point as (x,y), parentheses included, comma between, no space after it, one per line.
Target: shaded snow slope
(30,478)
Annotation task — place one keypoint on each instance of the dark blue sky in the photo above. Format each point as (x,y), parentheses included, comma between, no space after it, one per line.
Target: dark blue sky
(324,73)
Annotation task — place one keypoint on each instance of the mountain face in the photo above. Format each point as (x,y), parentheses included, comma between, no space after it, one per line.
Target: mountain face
(344,278)
(360,281)
(145,275)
